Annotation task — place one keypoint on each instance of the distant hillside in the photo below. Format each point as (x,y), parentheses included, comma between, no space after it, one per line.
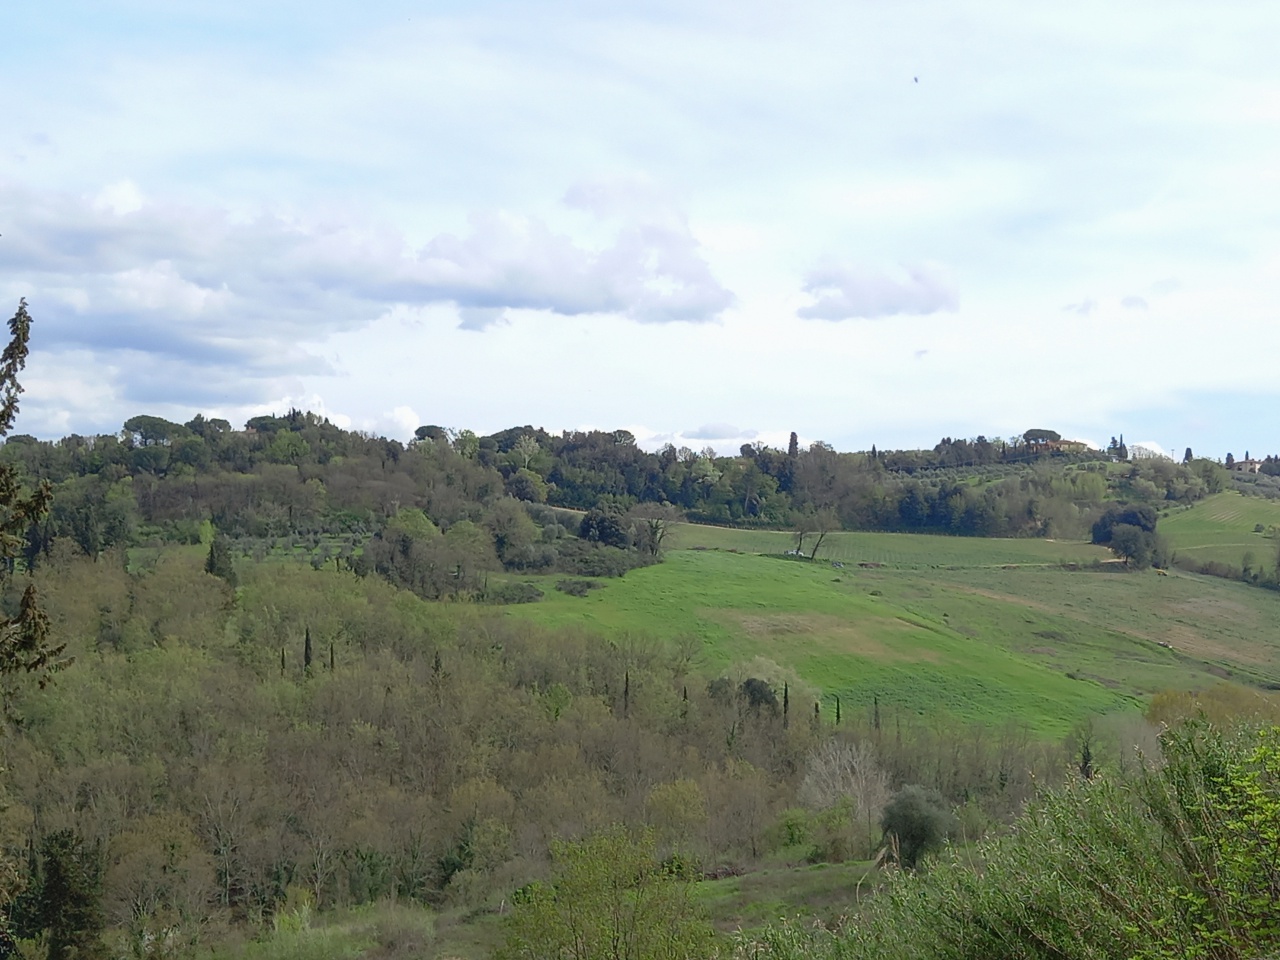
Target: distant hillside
(299,482)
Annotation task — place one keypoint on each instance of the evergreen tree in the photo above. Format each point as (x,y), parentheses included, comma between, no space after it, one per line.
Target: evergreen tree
(71,897)
(25,643)
(306,652)
(219,562)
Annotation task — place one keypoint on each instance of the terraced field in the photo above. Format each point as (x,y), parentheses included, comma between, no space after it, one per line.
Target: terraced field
(1224,527)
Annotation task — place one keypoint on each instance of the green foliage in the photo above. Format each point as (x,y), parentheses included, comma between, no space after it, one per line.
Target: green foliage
(218,562)
(70,897)
(1142,518)
(26,646)
(604,528)
(1135,546)
(577,588)
(609,898)
(1041,436)
(506,593)
(915,821)
(1179,862)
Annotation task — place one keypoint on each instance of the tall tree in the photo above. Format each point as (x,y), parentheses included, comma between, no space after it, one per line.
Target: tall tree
(25,643)
(652,521)
(218,562)
(71,897)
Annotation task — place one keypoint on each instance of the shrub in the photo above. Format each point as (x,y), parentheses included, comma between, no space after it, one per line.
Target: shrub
(915,821)
(577,588)
(505,593)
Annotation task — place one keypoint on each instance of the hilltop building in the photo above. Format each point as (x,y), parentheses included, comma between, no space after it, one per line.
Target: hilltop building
(1247,466)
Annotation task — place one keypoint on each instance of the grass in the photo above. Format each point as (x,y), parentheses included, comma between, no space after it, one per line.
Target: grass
(904,550)
(1223,528)
(823,891)
(984,631)
(835,634)
(385,930)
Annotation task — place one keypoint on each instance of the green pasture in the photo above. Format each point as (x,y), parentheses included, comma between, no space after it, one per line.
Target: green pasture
(978,630)
(831,628)
(1224,528)
(890,549)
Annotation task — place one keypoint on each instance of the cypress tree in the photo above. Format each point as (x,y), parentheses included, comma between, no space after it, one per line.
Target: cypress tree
(626,693)
(218,562)
(71,897)
(875,712)
(837,711)
(282,666)
(306,652)
(331,662)
(25,643)
(786,705)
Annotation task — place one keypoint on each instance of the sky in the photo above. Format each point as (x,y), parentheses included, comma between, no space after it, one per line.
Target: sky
(710,223)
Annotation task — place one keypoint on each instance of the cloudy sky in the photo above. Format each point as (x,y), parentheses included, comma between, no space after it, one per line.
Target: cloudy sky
(709,222)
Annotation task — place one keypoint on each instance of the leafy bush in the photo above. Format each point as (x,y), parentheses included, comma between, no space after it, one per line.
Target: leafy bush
(1181,861)
(577,588)
(506,593)
(596,560)
(915,821)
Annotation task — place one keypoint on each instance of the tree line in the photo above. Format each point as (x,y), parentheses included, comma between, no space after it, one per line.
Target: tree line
(516,498)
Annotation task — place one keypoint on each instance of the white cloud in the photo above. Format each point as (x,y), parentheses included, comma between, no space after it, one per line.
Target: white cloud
(310,207)
(844,293)
(119,198)
(405,420)
(235,301)
(719,431)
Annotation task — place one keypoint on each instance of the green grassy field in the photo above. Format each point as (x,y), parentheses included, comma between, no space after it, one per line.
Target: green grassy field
(976,630)
(908,550)
(1224,527)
